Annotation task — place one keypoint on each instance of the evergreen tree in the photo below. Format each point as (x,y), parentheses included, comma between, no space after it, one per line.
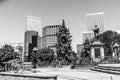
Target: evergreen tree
(85,54)
(63,46)
(86,49)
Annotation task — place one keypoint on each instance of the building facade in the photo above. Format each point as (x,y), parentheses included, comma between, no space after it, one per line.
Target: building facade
(87,35)
(39,42)
(33,23)
(32,30)
(28,40)
(95,19)
(49,37)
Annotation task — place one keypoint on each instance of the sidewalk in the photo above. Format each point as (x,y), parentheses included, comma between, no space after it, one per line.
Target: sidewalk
(79,74)
(72,74)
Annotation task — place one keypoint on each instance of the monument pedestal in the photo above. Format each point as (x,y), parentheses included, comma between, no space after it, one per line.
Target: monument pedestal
(97,51)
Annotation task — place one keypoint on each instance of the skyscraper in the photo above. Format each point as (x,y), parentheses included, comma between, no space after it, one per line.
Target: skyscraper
(49,35)
(33,23)
(39,42)
(32,29)
(95,19)
(28,44)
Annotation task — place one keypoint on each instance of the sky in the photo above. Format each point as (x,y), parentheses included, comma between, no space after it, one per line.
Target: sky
(13,15)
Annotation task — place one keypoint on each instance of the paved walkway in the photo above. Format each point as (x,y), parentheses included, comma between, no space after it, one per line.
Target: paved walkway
(80,74)
(73,74)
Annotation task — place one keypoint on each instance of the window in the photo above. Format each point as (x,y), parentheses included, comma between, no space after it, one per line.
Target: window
(97,52)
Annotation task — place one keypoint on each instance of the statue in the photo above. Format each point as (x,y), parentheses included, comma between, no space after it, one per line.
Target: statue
(96,32)
(97,49)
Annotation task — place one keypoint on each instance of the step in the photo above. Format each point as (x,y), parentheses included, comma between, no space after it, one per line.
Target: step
(106,71)
(107,68)
(110,67)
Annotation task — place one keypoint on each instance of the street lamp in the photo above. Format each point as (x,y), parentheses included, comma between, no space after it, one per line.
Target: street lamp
(116,50)
(55,57)
(35,60)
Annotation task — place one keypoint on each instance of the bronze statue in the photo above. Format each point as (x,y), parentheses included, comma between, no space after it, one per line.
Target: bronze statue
(96,32)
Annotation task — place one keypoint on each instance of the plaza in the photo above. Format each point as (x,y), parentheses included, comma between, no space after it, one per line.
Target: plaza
(62,74)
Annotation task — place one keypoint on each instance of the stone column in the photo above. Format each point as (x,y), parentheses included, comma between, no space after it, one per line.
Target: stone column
(102,52)
(92,53)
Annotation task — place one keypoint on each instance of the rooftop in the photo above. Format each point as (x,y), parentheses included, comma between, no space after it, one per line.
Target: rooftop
(95,13)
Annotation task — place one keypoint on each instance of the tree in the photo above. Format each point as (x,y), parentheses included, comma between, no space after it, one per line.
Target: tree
(108,38)
(116,38)
(43,56)
(7,53)
(63,46)
(85,54)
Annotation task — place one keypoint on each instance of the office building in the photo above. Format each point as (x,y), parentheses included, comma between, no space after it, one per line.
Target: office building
(33,23)
(33,29)
(39,42)
(87,35)
(28,46)
(49,35)
(95,19)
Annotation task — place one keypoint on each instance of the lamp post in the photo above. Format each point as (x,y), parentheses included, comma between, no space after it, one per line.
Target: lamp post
(116,48)
(55,57)
(34,60)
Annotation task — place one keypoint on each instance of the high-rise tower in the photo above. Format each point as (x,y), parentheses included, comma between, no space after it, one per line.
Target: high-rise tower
(49,35)
(32,29)
(34,23)
(28,44)
(95,19)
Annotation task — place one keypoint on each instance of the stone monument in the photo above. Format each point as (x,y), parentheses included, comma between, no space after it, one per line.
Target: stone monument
(97,50)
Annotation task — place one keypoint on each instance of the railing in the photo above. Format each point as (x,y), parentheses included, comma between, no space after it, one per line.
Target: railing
(16,66)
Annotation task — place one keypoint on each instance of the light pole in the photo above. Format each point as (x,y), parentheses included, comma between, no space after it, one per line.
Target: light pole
(34,59)
(116,48)
(55,57)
